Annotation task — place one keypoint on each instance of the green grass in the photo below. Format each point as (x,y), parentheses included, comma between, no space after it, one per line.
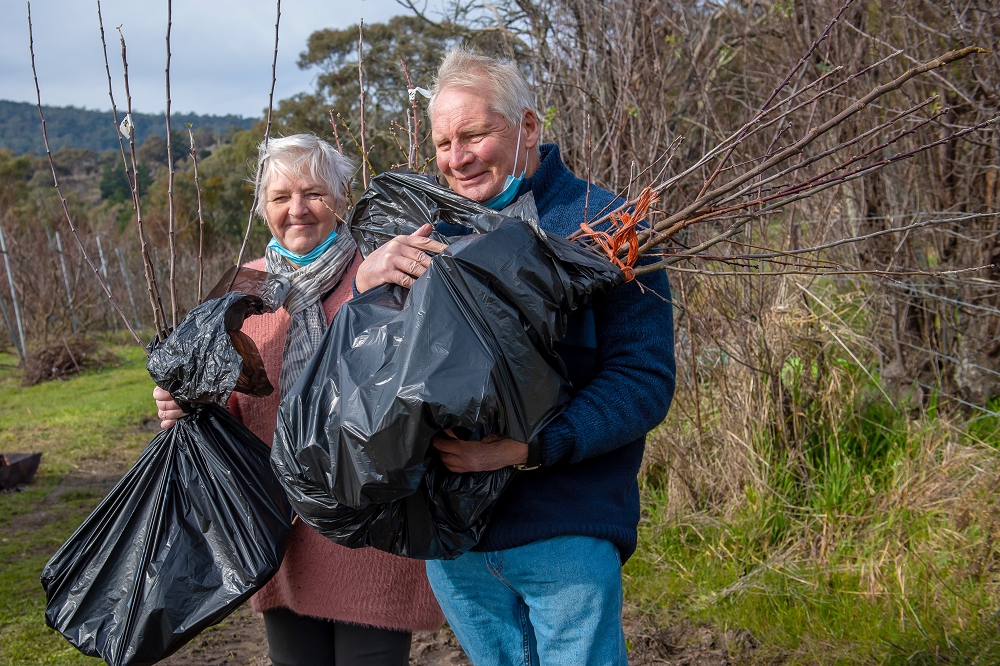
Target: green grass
(875,545)
(876,542)
(91,423)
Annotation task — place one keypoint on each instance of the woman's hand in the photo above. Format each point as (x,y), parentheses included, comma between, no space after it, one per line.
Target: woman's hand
(400,261)
(485,456)
(168,410)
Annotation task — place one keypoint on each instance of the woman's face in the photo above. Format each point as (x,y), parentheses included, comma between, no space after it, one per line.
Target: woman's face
(299,211)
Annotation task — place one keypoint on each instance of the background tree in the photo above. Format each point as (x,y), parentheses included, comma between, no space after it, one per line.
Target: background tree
(334,53)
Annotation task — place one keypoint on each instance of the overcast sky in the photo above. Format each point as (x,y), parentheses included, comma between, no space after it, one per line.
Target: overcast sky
(222,50)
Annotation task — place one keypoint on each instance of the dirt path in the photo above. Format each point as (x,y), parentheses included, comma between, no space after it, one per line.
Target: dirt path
(240,640)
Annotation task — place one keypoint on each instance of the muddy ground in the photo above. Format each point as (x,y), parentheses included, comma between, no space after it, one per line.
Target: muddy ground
(240,639)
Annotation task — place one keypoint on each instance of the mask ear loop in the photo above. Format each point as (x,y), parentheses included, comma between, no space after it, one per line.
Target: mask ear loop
(517,151)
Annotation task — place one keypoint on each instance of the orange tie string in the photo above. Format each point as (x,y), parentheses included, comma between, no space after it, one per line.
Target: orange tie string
(623,233)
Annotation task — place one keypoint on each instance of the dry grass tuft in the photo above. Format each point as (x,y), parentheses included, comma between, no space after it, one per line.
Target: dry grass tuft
(58,360)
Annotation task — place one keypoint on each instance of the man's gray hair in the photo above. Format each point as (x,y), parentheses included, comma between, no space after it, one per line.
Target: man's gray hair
(302,154)
(509,92)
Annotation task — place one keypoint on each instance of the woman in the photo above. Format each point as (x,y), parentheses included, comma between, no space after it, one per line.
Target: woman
(327,604)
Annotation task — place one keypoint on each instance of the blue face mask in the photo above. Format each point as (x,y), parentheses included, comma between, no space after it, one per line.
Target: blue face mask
(512,184)
(303,259)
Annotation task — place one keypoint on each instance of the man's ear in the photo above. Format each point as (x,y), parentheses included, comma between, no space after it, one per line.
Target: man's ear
(533,129)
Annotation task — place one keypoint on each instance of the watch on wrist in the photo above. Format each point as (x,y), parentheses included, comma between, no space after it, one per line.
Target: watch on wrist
(534,460)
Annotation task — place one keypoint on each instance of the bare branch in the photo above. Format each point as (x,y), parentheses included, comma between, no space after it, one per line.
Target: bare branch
(267,134)
(62,199)
(414,129)
(174,310)
(201,220)
(361,84)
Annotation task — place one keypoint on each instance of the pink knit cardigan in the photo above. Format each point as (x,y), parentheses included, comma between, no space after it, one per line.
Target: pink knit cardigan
(318,578)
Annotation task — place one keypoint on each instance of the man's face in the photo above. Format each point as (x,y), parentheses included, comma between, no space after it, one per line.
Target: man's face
(475,146)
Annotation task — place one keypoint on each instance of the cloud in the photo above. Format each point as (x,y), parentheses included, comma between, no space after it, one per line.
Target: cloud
(221,51)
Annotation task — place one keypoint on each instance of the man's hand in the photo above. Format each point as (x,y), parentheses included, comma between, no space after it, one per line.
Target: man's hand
(400,261)
(485,456)
(168,410)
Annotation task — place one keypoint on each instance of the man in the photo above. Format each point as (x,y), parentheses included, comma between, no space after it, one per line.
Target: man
(543,586)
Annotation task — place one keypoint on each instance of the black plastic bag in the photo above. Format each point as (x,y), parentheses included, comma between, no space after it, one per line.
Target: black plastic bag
(196,526)
(209,357)
(469,348)
(397,203)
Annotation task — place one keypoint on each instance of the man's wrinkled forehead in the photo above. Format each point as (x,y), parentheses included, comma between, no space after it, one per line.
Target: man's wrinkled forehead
(461,111)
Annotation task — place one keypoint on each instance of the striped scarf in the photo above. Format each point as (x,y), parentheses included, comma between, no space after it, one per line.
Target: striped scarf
(309,284)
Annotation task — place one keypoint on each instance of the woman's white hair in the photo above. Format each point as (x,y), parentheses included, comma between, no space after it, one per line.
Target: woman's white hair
(304,154)
(502,80)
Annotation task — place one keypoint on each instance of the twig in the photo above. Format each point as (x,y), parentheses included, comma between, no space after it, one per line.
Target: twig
(653,238)
(336,136)
(267,134)
(951,86)
(603,215)
(815,98)
(174,310)
(129,177)
(668,155)
(844,144)
(737,226)
(62,199)
(734,139)
(364,155)
(777,90)
(652,268)
(853,239)
(586,200)
(70,352)
(152,285)
(201,219)
(414,135)
(361,84)
(395,138)
(681,217)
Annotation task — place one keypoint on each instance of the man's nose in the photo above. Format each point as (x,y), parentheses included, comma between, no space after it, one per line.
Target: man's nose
(460,156)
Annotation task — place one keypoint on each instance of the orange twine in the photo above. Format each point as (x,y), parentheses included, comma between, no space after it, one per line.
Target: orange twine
(624,233)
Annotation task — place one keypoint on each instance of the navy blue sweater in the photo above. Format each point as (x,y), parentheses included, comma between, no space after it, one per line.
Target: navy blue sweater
(620,357)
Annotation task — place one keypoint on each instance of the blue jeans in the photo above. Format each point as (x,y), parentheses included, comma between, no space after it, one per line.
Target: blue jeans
(557,601)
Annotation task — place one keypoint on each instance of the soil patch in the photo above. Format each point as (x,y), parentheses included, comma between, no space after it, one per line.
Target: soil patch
(237,640)
(90,484)
(241,640)
(685,644)
(437,648)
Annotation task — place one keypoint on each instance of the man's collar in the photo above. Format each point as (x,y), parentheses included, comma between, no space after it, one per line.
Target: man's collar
(550,170)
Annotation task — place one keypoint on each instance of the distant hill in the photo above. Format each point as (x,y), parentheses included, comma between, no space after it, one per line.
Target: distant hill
(21,130)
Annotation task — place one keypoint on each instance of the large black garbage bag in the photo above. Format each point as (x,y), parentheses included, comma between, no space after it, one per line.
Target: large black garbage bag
(195,527)
(469,348)
(397,203)
(400,202)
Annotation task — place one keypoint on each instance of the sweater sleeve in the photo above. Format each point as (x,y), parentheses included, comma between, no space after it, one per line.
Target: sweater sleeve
(635,384)
(233,406)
